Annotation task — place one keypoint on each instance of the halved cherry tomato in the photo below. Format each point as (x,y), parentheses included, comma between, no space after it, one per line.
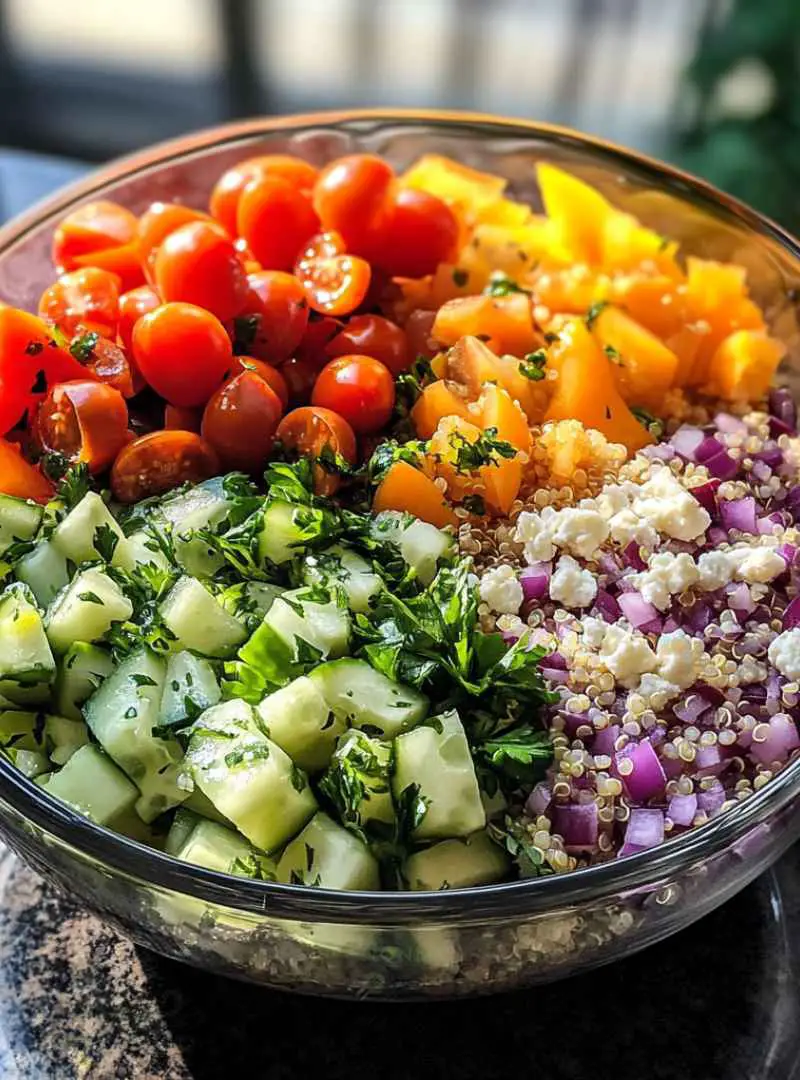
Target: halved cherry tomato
(372,335)
(91,228)
(176,418)
(122,261)
(276,219)
(31,361)
(319,433)
(85,421)
(271,376)
(418,330)
(183,352)
(274,318)
(240,422)
(352,196)
(161,461)
(132,305)
(198,264)
(88,297)
(19,478)
(421,232)
(334,283)
(106,360)
(228,189)
(359,388)
(157,222)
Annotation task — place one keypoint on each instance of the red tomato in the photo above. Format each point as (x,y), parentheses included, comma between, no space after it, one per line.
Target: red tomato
(20,479)
(105,360)
(274,318)
(183,352)
(352,196)
(157,222)
(372,335)
(89,229)
(312,432)
(271,376)
(300,376)
(276,220)
(228,190)
(198,264)
(321,329)
(132,305)
(240,422)
(89,298)
(333,283)
(122,261)
(360,389)
(419,330)
(159,462)
(85,421)
(421,232)
(176,418)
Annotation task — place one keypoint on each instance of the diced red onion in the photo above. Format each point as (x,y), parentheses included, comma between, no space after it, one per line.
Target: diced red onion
(691,708)
(778,427)
(773,686)
(781,740)
(539,799)
(782,406)
(713,694)
(535,580)
(697,617)
(647,777)
(631,557)
(609,565)
(708,760)
(722,466)
(739,599)
(716,536)
(638,611)
(645,830)
(577,824)
(761,471)
(603,743)
(791,616)
(788,553)
(681,809)
(608,607)
(706,495)
(686,441)
(671,624)
(709,448)
(739,514)
(773,457)
(509,637)
(659,452)
(730,425)
(711,799)
(766,524)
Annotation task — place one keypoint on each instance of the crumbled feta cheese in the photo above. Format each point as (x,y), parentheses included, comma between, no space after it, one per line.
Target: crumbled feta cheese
(750,671)
(535,535)
(500,589)
(653,686)
(627,655)
(666,574)
(572,586)
(580,532)
(626,527)
(594,631)
(759,564)
(784,653)
(679,657)
(670,508)
(715,569)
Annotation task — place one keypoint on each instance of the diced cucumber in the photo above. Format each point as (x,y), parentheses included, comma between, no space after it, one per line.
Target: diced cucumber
(286,531)
(122,715)
(436,758)
(143,549)
(330,857)
(457,864)
(341,566)
(31,763)
(495,803)
(190,688)
(90,533)
(201,507)
(421,545)
(44,571)
(298,719)
(324,626)
(367,699)
(80,671)
(93,785)
(41,733)
(358,780)
(247,777)
(201,805)
(63,737)
(86,610)
(27,666)
(22,730)
(216,847)
(19,520)
(180,830)
(249,601)
(198,620)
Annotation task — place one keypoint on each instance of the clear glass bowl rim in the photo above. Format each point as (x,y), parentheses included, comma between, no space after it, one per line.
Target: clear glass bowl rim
(535,895)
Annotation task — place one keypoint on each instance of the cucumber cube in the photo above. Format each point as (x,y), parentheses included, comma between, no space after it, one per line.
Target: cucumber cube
(86,610)
(89,532)
(19,520)
(44,571)
(457,864)
(367,699)
(298,719)
(27,666)
(198,620)
(80,671)
(323,625)
(93,785)
(330,857)
(358,780)
(216,847)
(190,687)
(340,566)
(286,531)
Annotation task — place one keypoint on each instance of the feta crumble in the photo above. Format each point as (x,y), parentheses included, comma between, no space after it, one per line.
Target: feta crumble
(666,575)
(572,586)
(627,655)
(784,653)
(679,657)
(500,589)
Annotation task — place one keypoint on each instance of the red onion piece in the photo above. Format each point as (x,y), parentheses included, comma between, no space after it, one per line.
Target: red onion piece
(638,611)
(739,514)
(730,425)
(791,616)
(781,739)
(766,525)
(722,466)
(535,581)
(778,427)
(691,708)
(711,799)
(739,599)
(709,448)
(716,536)
(577,825)
(706,495)
(645,830)
(708,760)
(686,440)
(604,740)
(772,456)
(647,777)
(788,552)
(539,799)
(631,556)
(607,606)
(681,809)
(782,406)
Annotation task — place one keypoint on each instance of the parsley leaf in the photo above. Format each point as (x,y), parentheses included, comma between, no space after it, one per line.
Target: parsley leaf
(522,753)
(647,420)
(594,311)
(83,346)
(105,542)
(73,486)
(90,598)
(409,385)
(501,284)
(487,449)
(532,366)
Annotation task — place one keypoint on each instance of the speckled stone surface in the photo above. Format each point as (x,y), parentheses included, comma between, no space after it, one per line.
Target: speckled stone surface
(720,1001)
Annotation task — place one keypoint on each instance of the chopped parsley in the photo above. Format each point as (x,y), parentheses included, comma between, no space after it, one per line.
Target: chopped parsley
(533,365)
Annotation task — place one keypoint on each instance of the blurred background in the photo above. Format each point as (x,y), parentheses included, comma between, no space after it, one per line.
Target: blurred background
(710,84)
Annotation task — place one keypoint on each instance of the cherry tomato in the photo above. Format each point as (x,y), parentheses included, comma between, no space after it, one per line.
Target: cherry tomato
(176,418)
(274,318)
(249,261)
(85,421)
(198,264)
(320,330)
(276,220)
(183,352)
(419,330)
(359,388)
(90,229)
(271,376)
(106,360)
(372,335)
(122,261)
(240,422)
(421,232)
(318,433)
(352,196)
(132,305)
(159,462)
(87,297)
(300,376)
(157,222)
(228,190)
(19,478)
(333,283)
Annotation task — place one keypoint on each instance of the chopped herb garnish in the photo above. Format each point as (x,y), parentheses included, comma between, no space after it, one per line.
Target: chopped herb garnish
(532,366)
(90,598)
(594,311)
(460,277)
(105,542)
(501,284)
(647,420)
(83,346)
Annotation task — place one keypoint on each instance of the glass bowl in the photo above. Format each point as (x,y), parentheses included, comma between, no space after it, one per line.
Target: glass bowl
(407,945)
